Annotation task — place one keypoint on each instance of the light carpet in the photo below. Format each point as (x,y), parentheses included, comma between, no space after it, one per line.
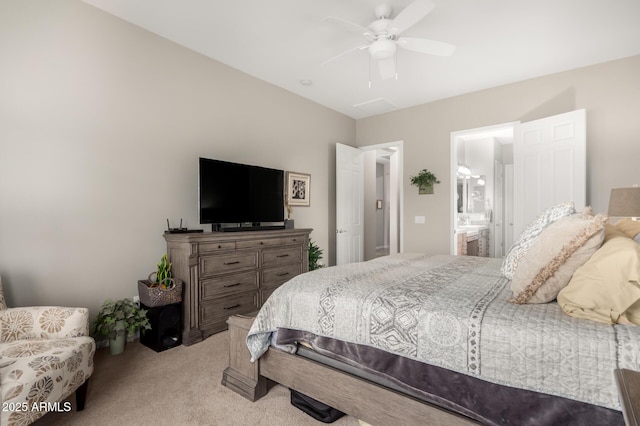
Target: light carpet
(180,386)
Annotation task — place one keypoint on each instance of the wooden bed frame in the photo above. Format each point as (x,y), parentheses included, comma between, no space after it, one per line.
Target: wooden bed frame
(355,396)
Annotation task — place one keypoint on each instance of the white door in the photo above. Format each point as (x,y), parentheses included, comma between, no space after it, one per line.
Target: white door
(349,204)
(549,157)
(508,207)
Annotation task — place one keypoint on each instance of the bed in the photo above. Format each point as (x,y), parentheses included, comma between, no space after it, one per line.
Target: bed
(433,339)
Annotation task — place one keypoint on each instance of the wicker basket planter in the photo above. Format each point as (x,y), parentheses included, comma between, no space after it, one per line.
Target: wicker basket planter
(157,296)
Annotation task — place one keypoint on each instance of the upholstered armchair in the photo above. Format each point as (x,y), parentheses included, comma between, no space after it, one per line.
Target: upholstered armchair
(46,354)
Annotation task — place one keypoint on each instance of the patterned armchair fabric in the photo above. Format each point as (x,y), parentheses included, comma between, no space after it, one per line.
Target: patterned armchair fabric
(46,354)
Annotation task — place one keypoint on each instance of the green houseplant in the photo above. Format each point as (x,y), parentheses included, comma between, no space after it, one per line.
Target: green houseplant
(117,319)
(163,274)
(160,288)
(315,254)
(424,180)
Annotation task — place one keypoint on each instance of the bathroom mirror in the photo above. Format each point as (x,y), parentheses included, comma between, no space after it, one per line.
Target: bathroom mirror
(471,194)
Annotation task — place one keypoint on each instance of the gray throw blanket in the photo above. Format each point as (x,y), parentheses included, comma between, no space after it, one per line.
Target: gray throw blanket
(453,312)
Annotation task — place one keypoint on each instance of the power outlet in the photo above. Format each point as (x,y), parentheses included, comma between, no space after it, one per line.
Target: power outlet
(136,300)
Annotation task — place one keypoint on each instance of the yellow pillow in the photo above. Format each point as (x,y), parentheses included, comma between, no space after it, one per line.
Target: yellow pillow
(611,231)
(629,227)
(607,286)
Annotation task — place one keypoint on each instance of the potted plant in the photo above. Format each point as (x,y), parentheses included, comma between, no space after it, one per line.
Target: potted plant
(163,275)
(424,180)
(160,288)
(315,254)
(118,319)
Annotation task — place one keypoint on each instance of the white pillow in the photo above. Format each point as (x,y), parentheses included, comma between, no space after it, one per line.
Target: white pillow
(531,232)
(555,255)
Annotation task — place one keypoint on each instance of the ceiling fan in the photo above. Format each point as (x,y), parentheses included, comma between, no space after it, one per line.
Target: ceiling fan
(383,35)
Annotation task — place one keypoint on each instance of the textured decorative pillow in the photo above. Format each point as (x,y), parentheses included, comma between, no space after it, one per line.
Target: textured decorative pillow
(606,288)
(555,255)
(531,232)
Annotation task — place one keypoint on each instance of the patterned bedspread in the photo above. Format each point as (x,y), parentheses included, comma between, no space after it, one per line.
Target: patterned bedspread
(453,312)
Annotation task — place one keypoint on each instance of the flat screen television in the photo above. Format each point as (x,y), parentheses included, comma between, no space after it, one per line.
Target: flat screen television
(232,193)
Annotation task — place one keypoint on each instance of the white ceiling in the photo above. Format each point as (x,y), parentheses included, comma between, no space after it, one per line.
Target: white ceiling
(498,41)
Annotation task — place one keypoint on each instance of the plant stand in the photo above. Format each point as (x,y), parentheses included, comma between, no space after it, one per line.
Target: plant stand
(166,327)
(425,189)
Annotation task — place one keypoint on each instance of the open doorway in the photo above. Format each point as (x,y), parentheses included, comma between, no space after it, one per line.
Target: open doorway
(482,167)
(368,201)
(547,153)
(382,199)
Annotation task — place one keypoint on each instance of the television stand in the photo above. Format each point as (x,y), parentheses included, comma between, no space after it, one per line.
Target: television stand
(228,273)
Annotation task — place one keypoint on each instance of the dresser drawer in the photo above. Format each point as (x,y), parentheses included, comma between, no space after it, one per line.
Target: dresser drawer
(210,265)
(220,309)
(274,277)
(264,242)
(216,247)
(226,285)
(279,256)
(293,240)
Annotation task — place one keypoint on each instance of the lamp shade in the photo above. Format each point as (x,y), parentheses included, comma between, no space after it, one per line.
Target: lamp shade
(625,202)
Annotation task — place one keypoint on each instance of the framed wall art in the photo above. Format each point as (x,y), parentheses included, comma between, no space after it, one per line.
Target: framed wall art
(298,189)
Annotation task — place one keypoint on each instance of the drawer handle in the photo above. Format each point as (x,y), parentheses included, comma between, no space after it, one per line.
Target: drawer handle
(231,263)
(231,285)
(282,255)
(283,274)
(237,305)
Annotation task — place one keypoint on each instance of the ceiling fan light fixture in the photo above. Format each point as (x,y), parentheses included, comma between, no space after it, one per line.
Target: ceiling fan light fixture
(382,49)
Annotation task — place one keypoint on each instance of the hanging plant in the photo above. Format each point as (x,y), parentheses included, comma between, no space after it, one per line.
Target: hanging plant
(424,180)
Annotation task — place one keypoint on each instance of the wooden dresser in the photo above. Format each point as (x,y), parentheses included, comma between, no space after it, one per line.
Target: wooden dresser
(230,273)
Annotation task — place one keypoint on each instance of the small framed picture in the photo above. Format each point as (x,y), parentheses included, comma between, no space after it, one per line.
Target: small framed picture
(298,189)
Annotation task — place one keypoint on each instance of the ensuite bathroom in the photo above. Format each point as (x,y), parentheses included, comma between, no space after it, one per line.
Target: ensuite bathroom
(484,192)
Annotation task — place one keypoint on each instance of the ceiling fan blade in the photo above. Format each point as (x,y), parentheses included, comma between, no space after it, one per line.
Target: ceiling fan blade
(387,68)
(348,26)
(423,45)
(410,15)
(353,49)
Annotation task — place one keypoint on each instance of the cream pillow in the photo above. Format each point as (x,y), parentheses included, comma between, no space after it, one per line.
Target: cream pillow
(606,288)
(610,231)
(630,227)
(554,256)
(531,232)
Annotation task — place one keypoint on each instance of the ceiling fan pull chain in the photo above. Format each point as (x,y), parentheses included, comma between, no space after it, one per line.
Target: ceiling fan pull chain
(369,71)
(396,64)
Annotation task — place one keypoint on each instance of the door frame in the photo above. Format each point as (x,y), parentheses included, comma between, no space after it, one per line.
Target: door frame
(396,222)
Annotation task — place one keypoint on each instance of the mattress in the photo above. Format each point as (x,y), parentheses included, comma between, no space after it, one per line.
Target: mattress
(452,312)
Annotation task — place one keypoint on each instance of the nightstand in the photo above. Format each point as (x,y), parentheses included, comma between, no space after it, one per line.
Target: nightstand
(628,382)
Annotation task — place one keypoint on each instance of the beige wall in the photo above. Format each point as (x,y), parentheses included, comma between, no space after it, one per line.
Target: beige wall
(610,92)
(101,127)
